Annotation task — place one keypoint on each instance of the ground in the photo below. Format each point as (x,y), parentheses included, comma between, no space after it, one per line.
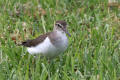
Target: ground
(94,47)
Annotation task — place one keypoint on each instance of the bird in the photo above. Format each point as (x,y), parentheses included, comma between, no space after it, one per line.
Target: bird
(50,44)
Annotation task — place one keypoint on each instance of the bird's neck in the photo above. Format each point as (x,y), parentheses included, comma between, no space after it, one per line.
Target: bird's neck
(60,33)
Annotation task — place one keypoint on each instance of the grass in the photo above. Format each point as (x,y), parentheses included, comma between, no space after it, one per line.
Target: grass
(94,48)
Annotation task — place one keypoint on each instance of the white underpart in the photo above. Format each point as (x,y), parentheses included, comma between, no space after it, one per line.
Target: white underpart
(46,48)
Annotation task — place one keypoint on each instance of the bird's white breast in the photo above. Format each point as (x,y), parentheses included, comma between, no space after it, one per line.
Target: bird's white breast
(62,43)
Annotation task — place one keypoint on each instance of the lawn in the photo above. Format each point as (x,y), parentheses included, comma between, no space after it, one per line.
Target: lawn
(94,45)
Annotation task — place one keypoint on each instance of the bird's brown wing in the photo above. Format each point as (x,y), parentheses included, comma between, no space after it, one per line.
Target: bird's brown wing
(34,42)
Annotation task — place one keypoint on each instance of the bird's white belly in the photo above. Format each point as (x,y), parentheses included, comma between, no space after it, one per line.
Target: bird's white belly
(46,48)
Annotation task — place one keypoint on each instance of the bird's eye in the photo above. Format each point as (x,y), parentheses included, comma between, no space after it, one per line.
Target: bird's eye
(59,25)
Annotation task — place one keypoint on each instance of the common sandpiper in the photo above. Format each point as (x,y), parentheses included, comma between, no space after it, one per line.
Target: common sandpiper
(50,44)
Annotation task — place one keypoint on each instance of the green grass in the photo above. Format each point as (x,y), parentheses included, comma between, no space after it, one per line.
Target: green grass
(94,48)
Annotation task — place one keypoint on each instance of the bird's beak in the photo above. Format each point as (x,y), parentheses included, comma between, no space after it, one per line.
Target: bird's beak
(66,31)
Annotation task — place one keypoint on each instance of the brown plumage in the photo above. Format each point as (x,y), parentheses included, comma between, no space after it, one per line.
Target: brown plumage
(35,42)
(62,23)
